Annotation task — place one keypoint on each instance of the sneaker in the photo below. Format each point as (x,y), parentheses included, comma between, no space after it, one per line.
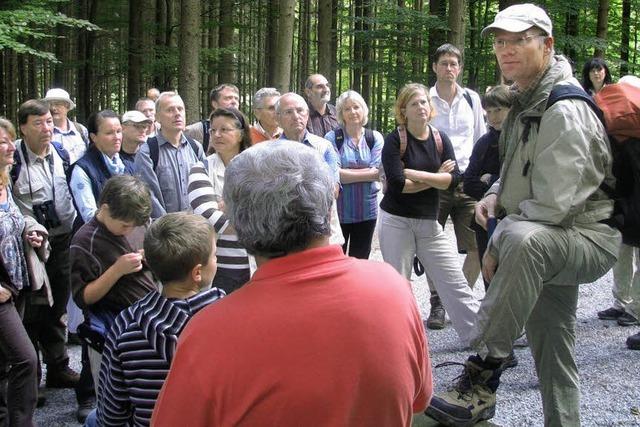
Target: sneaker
(436,315)
(633,342)
(627,320)
(610,313)
(84,409)
(472,399)
(511,361)
(63,377)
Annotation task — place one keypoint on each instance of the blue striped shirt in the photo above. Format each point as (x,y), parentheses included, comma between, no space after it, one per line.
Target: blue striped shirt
(358,201)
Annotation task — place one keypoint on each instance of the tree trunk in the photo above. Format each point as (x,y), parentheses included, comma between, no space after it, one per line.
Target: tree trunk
(273,10)
(624,39)
(227,67)
(282,75)
(456,24)
(366,53)
(189,77)
(325,51)
(571,31)
(436,38)
(85,55)
(601,27)
(135,53)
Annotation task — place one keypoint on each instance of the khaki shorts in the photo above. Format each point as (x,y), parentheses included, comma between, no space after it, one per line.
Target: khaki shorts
(460,208)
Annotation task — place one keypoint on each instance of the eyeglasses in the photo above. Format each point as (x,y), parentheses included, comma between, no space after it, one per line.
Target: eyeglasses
(212,131)
(499,44)
(270,108)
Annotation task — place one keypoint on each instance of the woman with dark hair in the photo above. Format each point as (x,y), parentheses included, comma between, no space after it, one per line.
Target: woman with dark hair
(595,75)
(18,361)
(100,162)
(229,135)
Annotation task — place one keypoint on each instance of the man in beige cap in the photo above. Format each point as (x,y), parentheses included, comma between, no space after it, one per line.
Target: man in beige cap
(550,238)
(72,135)
(135,126)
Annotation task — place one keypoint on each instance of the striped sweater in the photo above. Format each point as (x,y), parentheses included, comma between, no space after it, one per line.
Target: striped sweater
(138,353)
(205,191)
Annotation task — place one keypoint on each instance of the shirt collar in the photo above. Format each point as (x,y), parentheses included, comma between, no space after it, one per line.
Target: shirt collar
(70,126)
(162,140)
(33,157)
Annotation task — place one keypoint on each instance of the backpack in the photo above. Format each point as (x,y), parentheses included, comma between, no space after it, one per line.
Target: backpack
(402,132)
(620,104)
(17,165)
(154,149)
(368,137)
(619,113)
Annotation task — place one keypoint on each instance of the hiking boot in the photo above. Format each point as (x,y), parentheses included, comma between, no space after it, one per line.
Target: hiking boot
(610,313)
(62,377)
(511,361)
(437,313)
(627,320)
(472,399)
(633,342)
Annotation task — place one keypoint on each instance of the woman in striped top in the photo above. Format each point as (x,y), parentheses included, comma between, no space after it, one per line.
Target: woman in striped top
(359,157)
(229,135)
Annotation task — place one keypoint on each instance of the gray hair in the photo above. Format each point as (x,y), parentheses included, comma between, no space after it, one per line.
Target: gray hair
(262,94)
(355,97)
(163,95)
(291,95)
(278,197)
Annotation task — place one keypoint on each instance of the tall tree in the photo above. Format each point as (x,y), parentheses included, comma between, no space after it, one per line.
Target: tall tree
(325,51)
(625,29)
(189,76)
(284,45)
(456,23)
(601,27)
(227,64)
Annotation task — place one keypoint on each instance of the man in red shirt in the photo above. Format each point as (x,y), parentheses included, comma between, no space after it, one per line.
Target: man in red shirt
(315,338)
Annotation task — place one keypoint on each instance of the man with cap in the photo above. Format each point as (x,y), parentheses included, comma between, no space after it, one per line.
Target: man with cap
(135,126)
(71,134)
(550,238)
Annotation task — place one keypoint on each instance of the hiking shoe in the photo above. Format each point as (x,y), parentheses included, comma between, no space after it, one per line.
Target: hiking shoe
(62,377)
(437,313)
(472,399)
(627,320)
(610,313)
(511,361)
(633,342)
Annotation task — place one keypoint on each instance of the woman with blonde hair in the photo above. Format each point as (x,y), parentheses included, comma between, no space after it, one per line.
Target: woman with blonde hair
(418,161)
(358,159)
(18,361)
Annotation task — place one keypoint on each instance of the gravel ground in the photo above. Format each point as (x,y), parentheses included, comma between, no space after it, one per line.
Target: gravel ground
(610,382)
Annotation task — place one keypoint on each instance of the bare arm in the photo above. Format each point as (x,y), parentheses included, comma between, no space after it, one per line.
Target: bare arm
(349,176)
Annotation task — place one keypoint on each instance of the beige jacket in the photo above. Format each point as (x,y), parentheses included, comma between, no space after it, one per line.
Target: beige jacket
(36,259)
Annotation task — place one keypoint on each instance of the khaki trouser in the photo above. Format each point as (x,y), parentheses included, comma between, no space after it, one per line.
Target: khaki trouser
(626,281)
(536,288)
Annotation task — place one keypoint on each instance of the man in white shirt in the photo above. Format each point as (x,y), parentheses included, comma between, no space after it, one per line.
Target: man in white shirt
(460,116)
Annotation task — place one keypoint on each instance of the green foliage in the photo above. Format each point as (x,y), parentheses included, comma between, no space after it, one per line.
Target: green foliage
(22,23)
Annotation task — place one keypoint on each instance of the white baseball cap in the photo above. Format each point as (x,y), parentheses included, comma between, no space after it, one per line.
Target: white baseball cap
(135,116)
(57,94)
(520,17)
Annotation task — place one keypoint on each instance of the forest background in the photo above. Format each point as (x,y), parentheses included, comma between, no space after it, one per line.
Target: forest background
(107,53)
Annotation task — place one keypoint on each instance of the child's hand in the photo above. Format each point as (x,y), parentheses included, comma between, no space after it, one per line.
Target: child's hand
(129,263)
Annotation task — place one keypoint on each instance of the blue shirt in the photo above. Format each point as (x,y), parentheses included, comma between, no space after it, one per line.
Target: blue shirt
(324,148)
(358,201)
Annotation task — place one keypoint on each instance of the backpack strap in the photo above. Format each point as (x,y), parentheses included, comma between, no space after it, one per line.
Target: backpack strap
(64,155)
(206,125)
(193,145)
(467,96)
(14,173)
(562,92)
(402,131)
(154,151)
(369,137)
(339,138)
(438,139)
